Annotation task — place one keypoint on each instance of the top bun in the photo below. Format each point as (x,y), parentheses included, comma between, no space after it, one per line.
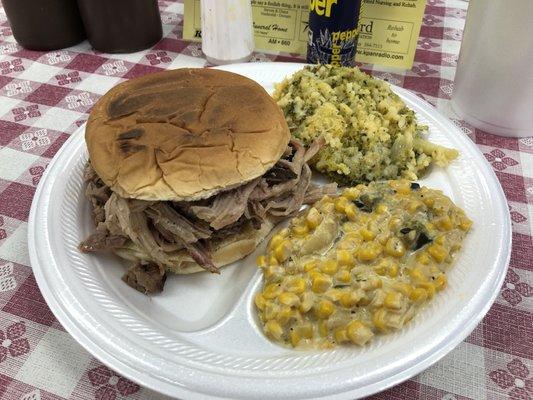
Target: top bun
(184,134)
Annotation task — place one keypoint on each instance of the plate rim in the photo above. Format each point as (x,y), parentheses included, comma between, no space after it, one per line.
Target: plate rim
(155,383)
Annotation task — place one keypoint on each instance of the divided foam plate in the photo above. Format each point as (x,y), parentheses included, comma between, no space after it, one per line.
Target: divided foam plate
(200,337)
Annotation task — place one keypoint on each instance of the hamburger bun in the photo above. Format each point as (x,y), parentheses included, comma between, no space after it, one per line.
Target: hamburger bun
(184,135)
(227,251)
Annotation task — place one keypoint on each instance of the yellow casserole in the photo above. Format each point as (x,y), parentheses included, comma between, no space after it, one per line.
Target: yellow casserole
(359,264)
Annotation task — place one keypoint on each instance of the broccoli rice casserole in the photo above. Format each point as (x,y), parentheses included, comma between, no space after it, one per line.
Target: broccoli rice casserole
(370,133)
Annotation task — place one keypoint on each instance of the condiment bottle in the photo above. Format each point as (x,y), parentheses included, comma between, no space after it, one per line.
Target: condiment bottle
(333,31)
(227,31)
(121,26)
(45,24)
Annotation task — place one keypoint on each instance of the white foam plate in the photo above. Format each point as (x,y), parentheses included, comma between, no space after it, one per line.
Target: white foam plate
(200,338)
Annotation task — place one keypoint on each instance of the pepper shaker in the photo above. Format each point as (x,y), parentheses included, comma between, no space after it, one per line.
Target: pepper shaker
(227,31)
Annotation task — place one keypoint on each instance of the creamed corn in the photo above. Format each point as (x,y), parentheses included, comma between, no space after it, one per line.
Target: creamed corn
(358,265)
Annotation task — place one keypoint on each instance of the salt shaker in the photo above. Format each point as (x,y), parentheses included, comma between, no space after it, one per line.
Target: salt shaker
(227,31)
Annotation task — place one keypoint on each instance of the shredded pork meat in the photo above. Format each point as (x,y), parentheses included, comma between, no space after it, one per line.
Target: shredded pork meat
(151,232)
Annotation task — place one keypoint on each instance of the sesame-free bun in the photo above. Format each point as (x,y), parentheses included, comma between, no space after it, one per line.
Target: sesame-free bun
(184,134)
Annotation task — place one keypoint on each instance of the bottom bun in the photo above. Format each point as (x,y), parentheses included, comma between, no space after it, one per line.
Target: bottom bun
(224,252)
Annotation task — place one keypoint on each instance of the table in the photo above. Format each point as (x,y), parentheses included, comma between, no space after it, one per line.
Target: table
(44,97)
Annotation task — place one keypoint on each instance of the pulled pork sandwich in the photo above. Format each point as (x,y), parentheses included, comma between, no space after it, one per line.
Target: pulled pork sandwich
(189,170)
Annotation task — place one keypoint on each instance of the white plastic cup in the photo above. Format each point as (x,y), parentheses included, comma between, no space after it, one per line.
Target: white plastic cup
(227,31)
(493,88)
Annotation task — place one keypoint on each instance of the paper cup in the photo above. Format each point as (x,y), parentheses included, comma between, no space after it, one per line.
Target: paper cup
(493,88)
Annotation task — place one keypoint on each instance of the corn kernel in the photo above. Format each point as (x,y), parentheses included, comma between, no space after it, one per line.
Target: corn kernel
(383,237)
(429,201)
(261,261)
(329,267)
(369,251)
(326,200)
(273,329)
(340,335)
(381,209)
(395,320)
(295,338)
(362,218)
(394,300)
(423,258)
(358,332)
(305,330)
(307,302)
(328,208)
(465,224)
(394,223)
(437,252)
(380,319)
(313,218)
(404,288)
(272,260)
(444,223)
(340,204)
(440,240)
(417,275)
(321,283)
(310,265)
(351,211)
(300,230)
(393,270)
(429,287)
(314,273)
(440,282)
(259,301)
(275,241)
(324,309)
(323,328)
(271,271)
(418,295)
(404,187)
(289,299)
(284,315)
(283,250)
(381,268)
(413,205)
(395,247)
(351,193)
(272,291)
(366,234)
(364,301)
(434,270)
(297,286)
(344,276)
(350,299)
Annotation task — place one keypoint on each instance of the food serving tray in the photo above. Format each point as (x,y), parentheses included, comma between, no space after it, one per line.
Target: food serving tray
(200,338)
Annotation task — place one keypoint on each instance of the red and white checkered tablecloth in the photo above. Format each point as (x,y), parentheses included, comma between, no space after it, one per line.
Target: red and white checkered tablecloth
(44,97)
